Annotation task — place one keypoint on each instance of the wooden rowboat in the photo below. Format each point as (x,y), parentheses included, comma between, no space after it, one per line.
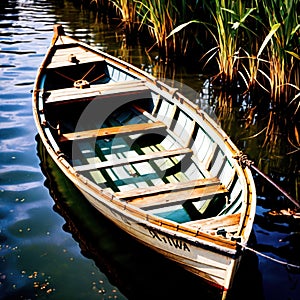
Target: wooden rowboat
(146,157)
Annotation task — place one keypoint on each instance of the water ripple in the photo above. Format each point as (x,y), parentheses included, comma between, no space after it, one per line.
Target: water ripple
(19,180)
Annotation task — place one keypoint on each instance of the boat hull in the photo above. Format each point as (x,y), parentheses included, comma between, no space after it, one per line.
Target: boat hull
(213,265)
(192,163)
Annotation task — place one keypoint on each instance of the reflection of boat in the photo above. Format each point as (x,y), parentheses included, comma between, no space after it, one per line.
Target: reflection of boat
(116,254)
(146,157)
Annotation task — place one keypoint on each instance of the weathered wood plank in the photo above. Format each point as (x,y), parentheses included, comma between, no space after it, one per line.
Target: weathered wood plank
(61,58)
(178,197)
(168,187)
(52,140)
(99,90)
(216,222)
(135,159)
(144,112)
(117,130)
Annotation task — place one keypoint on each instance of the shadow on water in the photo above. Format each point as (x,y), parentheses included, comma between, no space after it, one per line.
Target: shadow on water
(138,272)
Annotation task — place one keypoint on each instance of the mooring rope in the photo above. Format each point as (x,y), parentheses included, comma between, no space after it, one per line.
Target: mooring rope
(245,162)
(288,265)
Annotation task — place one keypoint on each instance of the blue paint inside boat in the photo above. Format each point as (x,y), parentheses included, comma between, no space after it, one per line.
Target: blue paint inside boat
(178,215)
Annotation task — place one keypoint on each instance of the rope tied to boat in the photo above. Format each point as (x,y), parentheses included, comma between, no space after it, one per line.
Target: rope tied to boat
(288,265)
(243,160)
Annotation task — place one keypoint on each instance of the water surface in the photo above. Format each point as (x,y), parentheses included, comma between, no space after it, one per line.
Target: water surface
(53,245)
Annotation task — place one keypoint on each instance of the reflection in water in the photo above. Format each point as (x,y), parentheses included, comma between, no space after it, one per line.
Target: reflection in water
(137,271)
(288,246)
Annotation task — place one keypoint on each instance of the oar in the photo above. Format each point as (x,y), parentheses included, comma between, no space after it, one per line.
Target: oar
(244,161)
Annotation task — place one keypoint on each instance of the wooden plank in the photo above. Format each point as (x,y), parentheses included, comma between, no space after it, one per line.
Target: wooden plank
(135,159)
(168,187)
(144,112)
(106,132)
(51,140)
(61,57)
(99,90)
(178,197)
(216,222)
(56,64)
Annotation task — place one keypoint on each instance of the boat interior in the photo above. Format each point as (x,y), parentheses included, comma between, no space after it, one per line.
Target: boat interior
(138,145)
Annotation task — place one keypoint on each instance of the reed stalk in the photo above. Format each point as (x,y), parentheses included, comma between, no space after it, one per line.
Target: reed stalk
(228,31)
(126,9)
(159,17)
(281,47)
(283,51)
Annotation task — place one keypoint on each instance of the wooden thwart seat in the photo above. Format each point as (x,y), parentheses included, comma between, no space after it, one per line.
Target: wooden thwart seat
(138,192)
(125,88)
(227,221)
(62,60)
(117,130)
(178,197)
(134,159)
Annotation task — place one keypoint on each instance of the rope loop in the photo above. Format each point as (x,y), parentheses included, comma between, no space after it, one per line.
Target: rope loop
(81,84)
(243,160)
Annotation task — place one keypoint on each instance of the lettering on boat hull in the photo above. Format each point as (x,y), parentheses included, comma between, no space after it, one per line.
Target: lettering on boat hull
(171,241)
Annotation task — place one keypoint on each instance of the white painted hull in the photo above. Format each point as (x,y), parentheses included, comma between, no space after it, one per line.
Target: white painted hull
(215,268)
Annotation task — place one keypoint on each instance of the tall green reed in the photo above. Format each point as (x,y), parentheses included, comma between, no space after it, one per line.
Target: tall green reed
(159,17)
(228,29)
(282,71)
(283,50)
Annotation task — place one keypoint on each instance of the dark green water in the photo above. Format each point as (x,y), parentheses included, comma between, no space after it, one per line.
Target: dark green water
(53,245)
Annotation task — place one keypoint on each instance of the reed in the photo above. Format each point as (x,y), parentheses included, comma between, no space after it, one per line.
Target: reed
(159,17)
(282,71)
(283,50)
(256,42)
(126,9)
(228,30)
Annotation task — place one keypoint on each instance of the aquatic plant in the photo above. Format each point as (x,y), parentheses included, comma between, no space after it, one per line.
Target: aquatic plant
(159,17)
(228,30)
(282,71)
(126,9)
(284,46)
